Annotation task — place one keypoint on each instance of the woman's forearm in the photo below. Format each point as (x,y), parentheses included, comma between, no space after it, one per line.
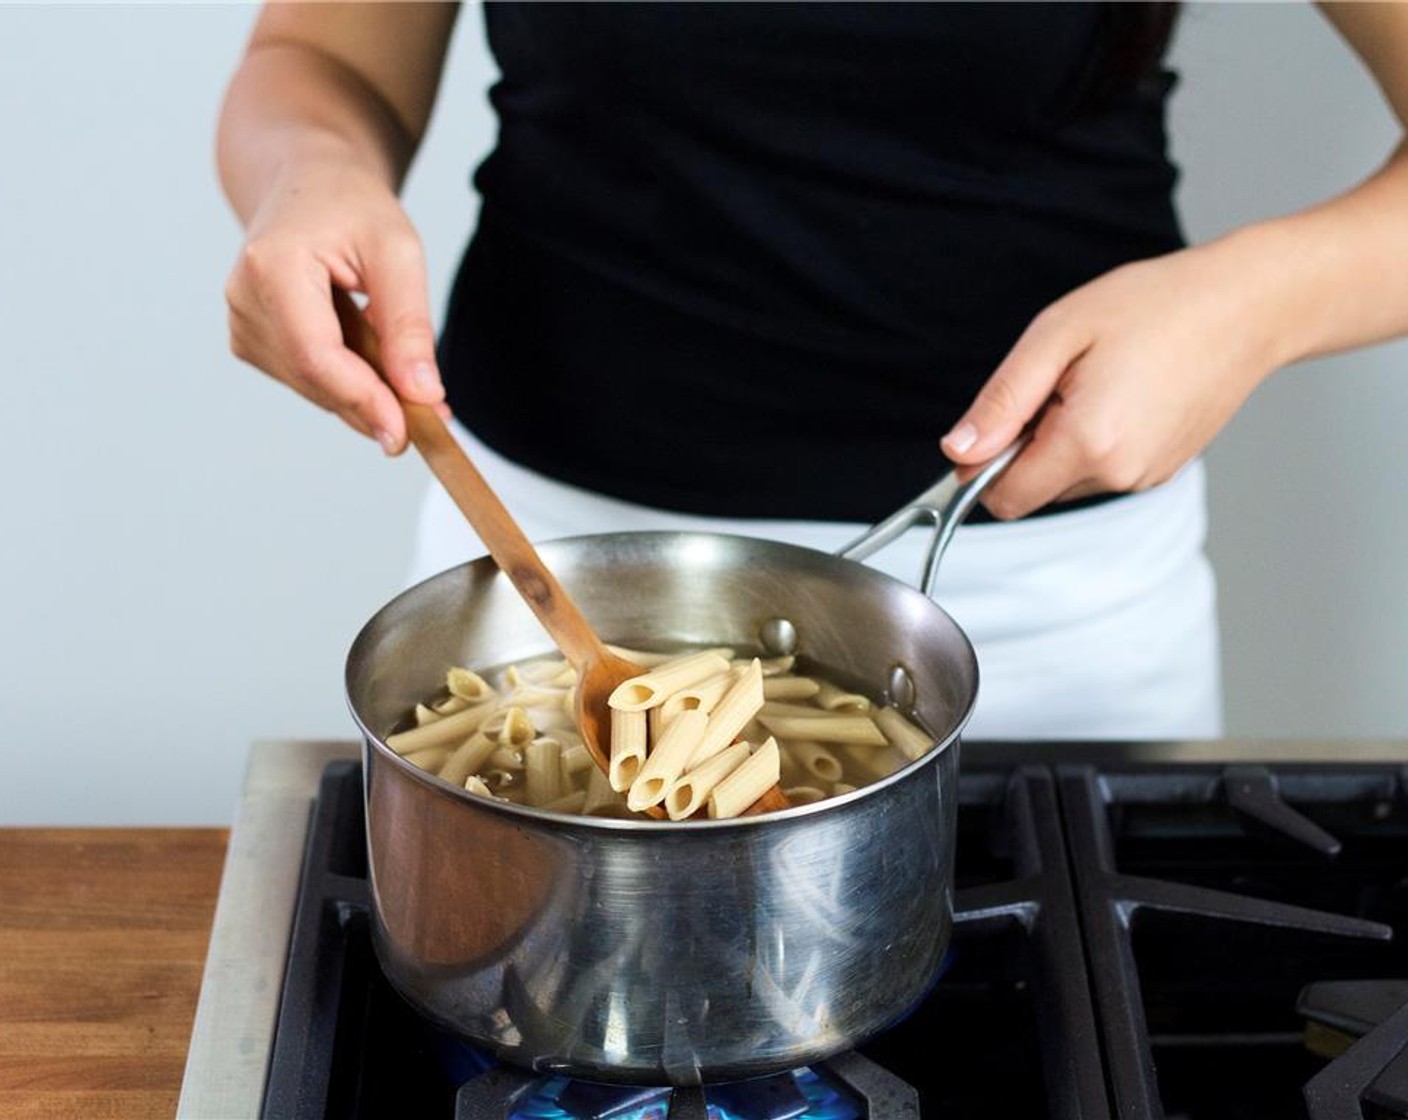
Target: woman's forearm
(1332,277)
(354,83)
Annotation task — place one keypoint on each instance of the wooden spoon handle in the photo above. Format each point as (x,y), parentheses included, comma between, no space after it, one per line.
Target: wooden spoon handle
(511,550)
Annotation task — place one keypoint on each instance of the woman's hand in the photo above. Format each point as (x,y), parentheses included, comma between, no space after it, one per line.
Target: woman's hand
(319,125)
(1138,370)
(328,222)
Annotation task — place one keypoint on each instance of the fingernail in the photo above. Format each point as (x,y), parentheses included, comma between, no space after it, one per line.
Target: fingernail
(386,439)
(961,438)
(423,376)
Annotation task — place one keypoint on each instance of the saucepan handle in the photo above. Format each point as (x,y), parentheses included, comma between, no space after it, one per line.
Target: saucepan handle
(945,504)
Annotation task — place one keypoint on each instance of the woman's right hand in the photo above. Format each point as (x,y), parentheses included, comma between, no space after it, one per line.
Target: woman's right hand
(327,221)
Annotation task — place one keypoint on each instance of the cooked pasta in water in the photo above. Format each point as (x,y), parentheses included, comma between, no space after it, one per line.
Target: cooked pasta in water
(700,733)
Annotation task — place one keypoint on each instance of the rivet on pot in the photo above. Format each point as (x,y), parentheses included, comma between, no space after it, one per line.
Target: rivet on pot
(900,688)
(778,637)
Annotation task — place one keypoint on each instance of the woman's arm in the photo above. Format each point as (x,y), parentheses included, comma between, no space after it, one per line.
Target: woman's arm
(318,128)
(1142,367)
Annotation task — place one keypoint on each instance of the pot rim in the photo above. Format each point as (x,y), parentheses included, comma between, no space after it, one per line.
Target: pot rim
(371,740)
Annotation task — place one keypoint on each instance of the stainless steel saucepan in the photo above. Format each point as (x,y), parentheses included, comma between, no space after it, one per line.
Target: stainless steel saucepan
(653,952)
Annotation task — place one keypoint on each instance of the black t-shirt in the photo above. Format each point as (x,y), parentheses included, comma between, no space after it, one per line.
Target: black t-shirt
(754,260)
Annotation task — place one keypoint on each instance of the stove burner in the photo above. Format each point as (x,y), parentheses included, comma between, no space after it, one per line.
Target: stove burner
(1129,940)
(1372,1071)
(848,1087)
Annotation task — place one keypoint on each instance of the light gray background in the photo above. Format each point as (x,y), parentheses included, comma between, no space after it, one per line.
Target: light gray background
(188,549)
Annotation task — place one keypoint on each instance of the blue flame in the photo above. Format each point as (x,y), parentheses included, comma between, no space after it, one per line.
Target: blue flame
(825,1101)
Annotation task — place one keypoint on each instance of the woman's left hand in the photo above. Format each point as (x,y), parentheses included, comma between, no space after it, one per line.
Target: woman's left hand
(1138,370)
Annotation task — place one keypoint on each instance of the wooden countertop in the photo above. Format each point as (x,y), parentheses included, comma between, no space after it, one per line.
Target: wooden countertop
(103,935)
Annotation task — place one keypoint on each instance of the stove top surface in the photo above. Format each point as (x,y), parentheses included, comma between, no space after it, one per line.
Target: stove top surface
(1139,933)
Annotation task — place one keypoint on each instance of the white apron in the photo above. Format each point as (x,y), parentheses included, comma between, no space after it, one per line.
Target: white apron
(1094,624)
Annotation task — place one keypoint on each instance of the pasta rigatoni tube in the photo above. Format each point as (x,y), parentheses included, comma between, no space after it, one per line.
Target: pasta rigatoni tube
(688,793)
(654,687)
(601,799)
(506,758)
(773,666)
(815,759)
(701,697)
(568,802)
(542,765)
(476,785)
(535,696)
(791,708)
(426,715)
(651,658)
(910,740)
(834,699)
(575,758)
(627,748)
(469,758)
(502,781)
(789,688)
(540,672)
(517,729)
(730,715)
(871,762)
(448,705)
(432,758)
(468,685)
(842,788)
(447,732)
(757,774)
(666,761)
(854,730)
(803,795)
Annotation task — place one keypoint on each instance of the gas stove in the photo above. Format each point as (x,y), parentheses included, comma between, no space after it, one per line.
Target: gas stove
(1150,931)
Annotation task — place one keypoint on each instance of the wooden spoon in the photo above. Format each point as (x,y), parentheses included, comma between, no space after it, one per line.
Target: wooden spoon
(599,670)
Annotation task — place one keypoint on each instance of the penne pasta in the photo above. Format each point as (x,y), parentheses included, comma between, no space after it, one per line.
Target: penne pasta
(730,715)
(649,659)
(568,802)
(535,696)
(450,731)
(754,777)
(680,735)
(627,748)
(425,715)
(467,685)
(469,758)
(872,762)
(656,685)
(688,793)
(517,729)
(448,705)
(833,699)
(700,697)
(501,781)
(774,666)
(854,730)
(540,672)
(566,678)
(575,758)
(506,758)
(667,761)
(431,759)
(543,771)
(790,771)
(905,736)
(789,688)
(816,760)
(601,799)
